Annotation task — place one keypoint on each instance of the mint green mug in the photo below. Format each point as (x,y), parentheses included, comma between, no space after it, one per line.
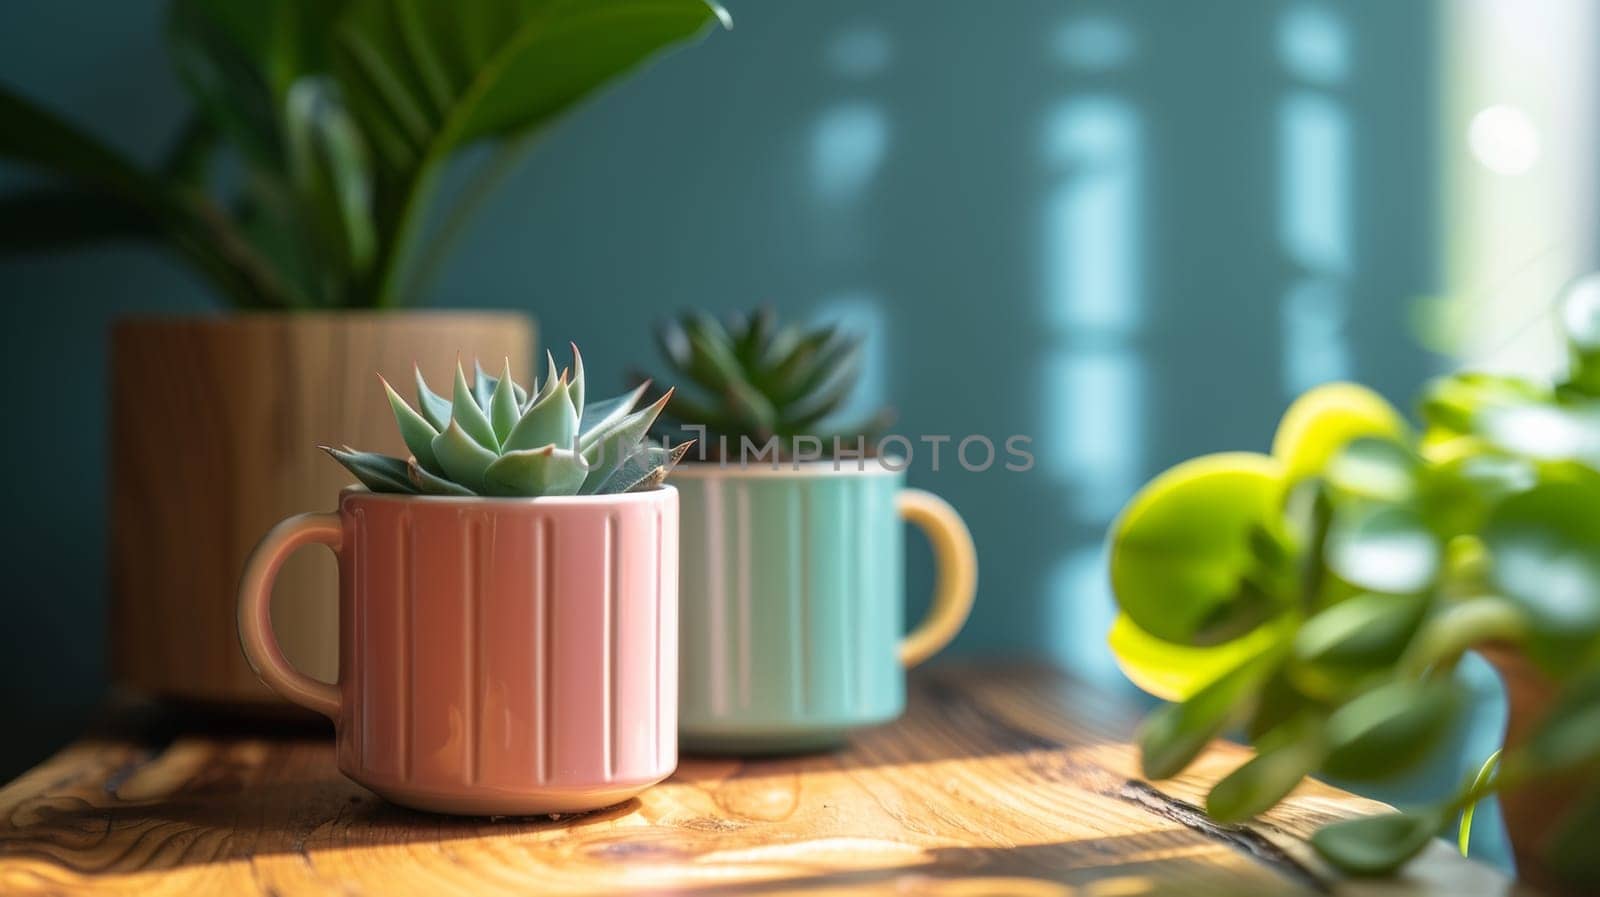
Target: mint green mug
(791,596)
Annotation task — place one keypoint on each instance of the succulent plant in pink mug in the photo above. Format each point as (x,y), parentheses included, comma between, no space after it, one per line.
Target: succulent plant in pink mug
(508,602)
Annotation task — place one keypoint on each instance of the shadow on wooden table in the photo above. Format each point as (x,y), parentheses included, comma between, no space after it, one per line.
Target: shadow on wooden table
(958,712)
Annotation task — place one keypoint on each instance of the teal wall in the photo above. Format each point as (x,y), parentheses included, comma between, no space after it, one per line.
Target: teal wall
(1129,230)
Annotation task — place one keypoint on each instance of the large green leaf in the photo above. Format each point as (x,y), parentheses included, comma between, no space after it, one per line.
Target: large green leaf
(1544,546)
(278,42)
(332,180)
(1182,567)
(425,79)
(39,138)
(208,41)
(33,136)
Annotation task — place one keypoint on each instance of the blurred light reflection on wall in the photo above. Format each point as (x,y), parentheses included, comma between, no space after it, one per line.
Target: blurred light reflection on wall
(1093,310)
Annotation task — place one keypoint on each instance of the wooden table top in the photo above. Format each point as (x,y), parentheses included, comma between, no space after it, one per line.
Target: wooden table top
(1014,781)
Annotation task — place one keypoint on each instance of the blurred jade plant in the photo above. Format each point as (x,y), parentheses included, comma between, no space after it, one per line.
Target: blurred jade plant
(758,379)
(494,438)
(1320,597)
(338,116)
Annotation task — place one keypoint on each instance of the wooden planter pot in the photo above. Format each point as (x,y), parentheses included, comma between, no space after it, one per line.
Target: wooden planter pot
(215,423)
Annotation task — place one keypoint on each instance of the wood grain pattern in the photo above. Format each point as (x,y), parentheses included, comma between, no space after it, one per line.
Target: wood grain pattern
(214,428)
(999,782)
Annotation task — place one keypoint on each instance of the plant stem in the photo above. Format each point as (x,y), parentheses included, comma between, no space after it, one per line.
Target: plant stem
(483,183)
(1480,782)
(1447,636)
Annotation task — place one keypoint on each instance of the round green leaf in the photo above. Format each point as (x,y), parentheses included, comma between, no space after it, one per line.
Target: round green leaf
(1172,736)
(1181,550)
(1544,548)
(1453,404)
(1325,419)
(1389,730)
(1385,548)
(1341,646)
(1269,776)
(1376,845)
(1375,468)
(1460,489)
(1175,672)
(1544,431)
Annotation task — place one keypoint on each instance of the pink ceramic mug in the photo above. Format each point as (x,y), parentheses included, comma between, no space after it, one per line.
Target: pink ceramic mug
(496,656)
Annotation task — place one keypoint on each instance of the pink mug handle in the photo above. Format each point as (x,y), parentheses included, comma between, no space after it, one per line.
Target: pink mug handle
(256,637)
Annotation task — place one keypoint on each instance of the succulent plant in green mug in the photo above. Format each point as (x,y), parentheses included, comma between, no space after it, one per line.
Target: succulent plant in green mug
(494,438)
(1318,599)
(758,379)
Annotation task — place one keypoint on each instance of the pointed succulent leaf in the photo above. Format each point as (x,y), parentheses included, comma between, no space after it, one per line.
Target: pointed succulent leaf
(380,473)
(751,340)
(799,363)
(712,363)
(548,421)
(646,470)
(757,415)
(614,445)
(461,457)
(576,386)
(607,411)
(837,361)
(814,408)
(414,429)
(551,378)
(431,484)
(503,406)
(783,342)
(483,385)
(535,472)
(468,414)
(435,408)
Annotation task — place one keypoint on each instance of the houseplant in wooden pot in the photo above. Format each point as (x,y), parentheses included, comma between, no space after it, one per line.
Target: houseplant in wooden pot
(301,189)
(792,632)
(508,601)
(1320,597)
